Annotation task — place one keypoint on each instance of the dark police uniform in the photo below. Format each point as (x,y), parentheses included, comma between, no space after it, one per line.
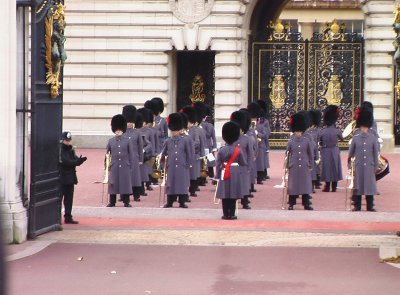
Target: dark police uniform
(68,162)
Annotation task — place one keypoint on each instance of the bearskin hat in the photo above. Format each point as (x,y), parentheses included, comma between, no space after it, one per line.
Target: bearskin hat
(191,114)
(315,116)
(147,115)
(129,112)
(160,104)
(298,122)
(240,118)
(263,105)
(153,106)
(254,109)
(175,122)
(367,104)
(139,121)
(365,118)
(201,110)
(307,118)
(230,132)
(185,120)
(248,119)
(118,122)
(331,114)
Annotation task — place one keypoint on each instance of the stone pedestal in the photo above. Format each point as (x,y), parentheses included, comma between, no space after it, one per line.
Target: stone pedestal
(13,214)
(379,72)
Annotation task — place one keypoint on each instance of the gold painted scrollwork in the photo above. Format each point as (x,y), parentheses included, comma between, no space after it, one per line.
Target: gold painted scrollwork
(280,31)
(278,92)
(198,89)
(54,46)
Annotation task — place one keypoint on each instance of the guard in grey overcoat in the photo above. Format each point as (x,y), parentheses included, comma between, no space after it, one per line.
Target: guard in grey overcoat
(211,139)
(184,132)
(177,152)
(147,153)
(229,174)
(251,133)
(201,112)
(300,165)
(161,123)
(122,157)
(129,112)
(152,136)
(364,150)
(193,132)
(314,132)
(264,120)
(246,146)
(331,166)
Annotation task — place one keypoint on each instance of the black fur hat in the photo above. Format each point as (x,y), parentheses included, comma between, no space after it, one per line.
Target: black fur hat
(298,122)
(263,105)
(307,118)
(175,122)
(248,119)
(129,112)
(185,120)
(118,122)
(240,118)
(201,110)
(365,118)
(331,114)
(230,132)
(191,114)
(368,105)
(147,115)
(254,109)
(160,104)
(153,106)
(139,121)
(315,116)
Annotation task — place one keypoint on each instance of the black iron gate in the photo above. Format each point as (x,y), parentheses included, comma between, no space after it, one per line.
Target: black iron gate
(293,74)
(47,57)
(195,71)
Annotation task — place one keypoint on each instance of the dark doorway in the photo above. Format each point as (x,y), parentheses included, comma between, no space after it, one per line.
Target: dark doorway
(196,81)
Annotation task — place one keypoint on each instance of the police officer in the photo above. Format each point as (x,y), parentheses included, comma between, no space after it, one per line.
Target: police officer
(68,162)
(300,154)
(122,157)
(364,148)
(331,166)
(177,151)
(129,112)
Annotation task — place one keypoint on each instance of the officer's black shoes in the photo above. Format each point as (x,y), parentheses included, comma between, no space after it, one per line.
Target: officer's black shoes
(371,209)
(290,207)
(183,205)
(246,207)
(193,194)
(70,220)
(253,190)
(326,189)
(110,205)
(167,206)
(260,182)
(229,217)
(127,205)
(308,208)
(136,199)
(197,189)
(251,196)
(149,188)
(355,209)
(267,177)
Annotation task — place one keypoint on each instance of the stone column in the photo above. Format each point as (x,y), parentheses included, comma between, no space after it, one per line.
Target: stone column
(307,30)
(13,214)
(379,70)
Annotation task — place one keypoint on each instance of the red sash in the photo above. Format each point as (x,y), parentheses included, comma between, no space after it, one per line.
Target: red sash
(227,174)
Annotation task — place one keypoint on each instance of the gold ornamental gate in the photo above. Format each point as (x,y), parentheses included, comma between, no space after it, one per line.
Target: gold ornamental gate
(292,74)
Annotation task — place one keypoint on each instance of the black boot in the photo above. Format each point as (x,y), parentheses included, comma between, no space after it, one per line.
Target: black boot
(245,202)
(292,201)
(327,187)
(253,190)
(305,199)
(357,203)
(260,177)
(313,186)
(113,200)
(318,182)
(143,191)
(170,201)
(370,203)
(334,186)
